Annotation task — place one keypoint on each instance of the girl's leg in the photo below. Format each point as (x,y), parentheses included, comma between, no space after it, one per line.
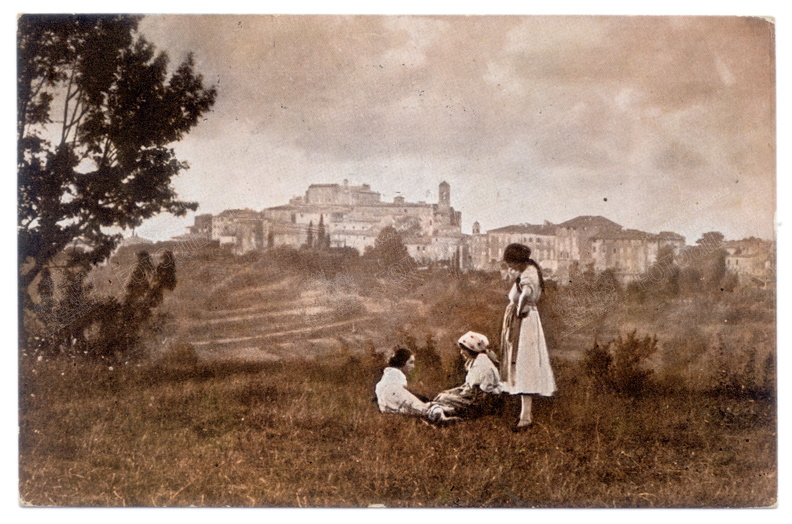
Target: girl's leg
(525,412)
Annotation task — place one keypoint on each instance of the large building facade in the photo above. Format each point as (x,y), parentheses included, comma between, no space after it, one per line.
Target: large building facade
(584,243)
(343,215)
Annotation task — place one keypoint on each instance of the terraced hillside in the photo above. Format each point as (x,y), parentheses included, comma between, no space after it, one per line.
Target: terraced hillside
(254,310)
(291,303)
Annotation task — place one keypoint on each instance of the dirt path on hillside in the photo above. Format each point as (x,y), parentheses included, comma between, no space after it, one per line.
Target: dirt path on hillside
(305,311)
(276,334)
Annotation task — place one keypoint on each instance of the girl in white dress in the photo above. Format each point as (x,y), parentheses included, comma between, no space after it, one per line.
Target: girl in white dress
(525,363)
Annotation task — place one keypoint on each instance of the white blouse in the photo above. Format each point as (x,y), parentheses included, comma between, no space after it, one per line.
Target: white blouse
(528,291)
(393,396)
(483,373)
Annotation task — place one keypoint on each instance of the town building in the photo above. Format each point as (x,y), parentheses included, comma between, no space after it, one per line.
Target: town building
(487,250)
(752,260)
(584,243)
(346,216)
(630,253)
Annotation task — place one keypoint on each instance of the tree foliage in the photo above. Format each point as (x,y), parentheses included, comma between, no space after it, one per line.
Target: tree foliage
(121,321)
(707,259)
(97,110)
(389,250)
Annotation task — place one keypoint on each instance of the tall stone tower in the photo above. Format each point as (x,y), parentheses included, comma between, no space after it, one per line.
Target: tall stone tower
(476,228)
(444,195)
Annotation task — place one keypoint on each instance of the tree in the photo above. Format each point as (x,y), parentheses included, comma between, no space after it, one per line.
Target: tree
(309,240)
(663,276)
(708,257)
(96,112)
(320,233)
(121,322)
(73,322)
(711,240)
(389,250)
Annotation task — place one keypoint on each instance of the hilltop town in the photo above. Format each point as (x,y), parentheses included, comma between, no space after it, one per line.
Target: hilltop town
(352,216)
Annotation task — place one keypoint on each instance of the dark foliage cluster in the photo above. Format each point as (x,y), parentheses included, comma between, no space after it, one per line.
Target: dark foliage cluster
(79,323)
(621,364)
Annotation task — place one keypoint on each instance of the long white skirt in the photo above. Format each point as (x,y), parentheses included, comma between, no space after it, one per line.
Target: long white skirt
(525,363)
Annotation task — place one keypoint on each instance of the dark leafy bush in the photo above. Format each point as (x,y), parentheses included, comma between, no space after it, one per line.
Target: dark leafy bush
(597,362)
(621,364)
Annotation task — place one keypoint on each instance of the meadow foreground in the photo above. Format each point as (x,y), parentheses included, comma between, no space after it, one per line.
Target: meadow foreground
(308,434)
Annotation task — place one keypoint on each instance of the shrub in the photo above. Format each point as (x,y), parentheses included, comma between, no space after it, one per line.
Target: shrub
(629,356)
(597,362)
(620,365)
(81,323)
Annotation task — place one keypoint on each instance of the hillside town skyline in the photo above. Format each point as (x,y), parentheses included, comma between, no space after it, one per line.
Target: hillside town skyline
(701,212)
(343,215)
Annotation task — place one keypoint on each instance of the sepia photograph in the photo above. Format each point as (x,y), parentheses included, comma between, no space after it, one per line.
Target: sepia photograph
(396,261)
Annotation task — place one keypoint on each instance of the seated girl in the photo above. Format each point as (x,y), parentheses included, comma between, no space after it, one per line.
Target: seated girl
(393,395)
(482,387)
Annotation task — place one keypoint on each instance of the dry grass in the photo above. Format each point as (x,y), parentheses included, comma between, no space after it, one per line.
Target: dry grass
(308,434)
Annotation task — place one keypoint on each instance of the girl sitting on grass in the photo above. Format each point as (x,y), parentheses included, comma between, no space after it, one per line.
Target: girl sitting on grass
(393,395)
(482,387)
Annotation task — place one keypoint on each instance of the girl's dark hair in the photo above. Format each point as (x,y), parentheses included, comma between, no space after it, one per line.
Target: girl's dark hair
(400,357)
(467,350)
(521,254)
(517,254)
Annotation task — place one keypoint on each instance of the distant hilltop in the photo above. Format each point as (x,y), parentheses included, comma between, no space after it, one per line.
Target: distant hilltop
(341,216)
(350,216)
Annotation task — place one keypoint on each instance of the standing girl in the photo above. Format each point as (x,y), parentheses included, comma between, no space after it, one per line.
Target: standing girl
(525,364)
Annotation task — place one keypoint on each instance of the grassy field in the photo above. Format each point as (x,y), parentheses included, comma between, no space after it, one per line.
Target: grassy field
(259,386)
(308,434)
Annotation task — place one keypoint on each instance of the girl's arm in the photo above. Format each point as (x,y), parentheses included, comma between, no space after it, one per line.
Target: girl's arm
(527,292)
(529,287)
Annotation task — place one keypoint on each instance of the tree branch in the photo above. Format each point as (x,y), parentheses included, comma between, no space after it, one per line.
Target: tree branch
(69,96)
(76,119)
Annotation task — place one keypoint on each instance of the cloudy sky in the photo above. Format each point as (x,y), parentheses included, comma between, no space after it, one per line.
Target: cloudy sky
(658,123)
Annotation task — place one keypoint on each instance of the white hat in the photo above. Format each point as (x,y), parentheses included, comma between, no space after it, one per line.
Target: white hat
(475,342)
